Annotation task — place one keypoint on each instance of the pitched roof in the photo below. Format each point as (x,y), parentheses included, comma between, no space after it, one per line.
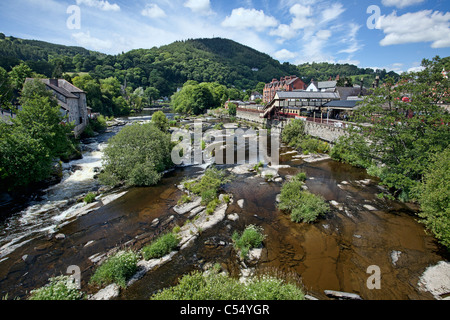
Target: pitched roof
(350,104)
(327,84)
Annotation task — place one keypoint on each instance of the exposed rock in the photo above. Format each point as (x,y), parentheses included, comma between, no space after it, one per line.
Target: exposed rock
(29,259)
(155,222)
(185,208)
(369,207)
(342,295)
(110,292)
(89,243)
(60,236)
(241,203)
(316,158)
(233,217)
(395,255)
(97,257)
(168,220)
(254,255)
(436,279)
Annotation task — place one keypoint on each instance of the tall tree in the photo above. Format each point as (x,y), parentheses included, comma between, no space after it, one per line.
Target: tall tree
(407,127)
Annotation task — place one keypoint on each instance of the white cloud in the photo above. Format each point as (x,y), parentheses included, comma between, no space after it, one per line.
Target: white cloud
(100,4)
(422,26)
(284,55)
(153,11)
(302,14)
(400,3)
(249,18)
(351,39)
(85,40)
(199,6)
(283,31)
(332,13)
(416,69)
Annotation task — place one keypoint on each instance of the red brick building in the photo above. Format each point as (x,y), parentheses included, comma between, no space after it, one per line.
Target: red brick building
(289,83)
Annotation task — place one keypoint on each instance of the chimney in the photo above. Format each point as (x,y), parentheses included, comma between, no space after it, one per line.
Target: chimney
(54,82)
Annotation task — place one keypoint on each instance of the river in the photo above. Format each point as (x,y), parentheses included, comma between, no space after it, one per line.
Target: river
(332,254)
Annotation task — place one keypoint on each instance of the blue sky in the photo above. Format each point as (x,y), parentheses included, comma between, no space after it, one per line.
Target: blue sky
(391,34)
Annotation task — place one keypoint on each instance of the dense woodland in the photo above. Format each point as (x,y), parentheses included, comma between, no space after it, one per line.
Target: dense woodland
(164,69)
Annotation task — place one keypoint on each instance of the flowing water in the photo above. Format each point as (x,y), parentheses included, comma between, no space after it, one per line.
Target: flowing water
(333,254)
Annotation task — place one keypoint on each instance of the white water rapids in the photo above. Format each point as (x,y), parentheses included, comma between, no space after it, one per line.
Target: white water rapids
(57,206)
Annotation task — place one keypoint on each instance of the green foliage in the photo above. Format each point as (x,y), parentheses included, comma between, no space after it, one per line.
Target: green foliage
(212,205)
(302,205)
(89,198)
(34,139)
(434,197)
(214,286)
(208,195)
(294,135)
(300,177)
(137,155)
(18,74)
(59,288)
(160,120)
(352,149)
(211,180)
(161,247)
(184,199)
(193,99)
(232,109)
(323,70)
(117,269)
(251,238)
(5,90)
(402,137)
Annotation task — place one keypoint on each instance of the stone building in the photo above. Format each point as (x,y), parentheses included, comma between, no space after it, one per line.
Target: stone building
(72,101)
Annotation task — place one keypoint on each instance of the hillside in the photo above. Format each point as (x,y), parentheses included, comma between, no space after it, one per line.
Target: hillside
(168,67)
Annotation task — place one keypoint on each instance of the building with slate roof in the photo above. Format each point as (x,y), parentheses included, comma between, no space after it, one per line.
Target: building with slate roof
(72,101)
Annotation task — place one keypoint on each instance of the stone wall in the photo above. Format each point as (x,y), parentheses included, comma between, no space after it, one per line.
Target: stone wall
(253,116)
(324,132)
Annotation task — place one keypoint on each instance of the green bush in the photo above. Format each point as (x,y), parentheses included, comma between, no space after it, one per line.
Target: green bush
(59,288)
(301,177)
(352,149)
(310,209)
(137,156)
(184,199)
(252,237)
(212,205)
(117,269)
(302,205)
(434,197)
(214,286)
(208,196)
(161,247)
(89,198)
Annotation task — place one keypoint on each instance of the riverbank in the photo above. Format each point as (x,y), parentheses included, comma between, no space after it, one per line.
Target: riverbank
(331,254)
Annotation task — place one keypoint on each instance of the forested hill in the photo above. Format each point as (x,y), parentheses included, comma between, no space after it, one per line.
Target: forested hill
(168,67)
